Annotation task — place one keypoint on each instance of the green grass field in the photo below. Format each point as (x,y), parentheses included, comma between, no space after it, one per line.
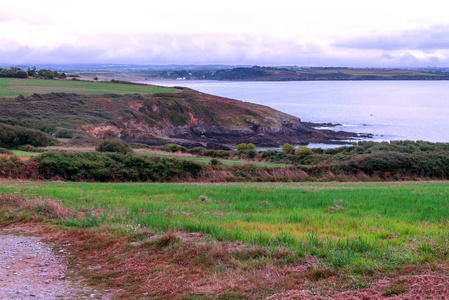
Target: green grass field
(24,153)
(361,227)
(228,162)
(12,87)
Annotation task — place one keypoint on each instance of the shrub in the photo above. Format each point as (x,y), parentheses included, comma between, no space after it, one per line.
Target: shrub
(5,151)
(303,152)
(245,147)
(174,148)
(118,146)
(252,154)
(288,149)
(65,133)
(191,167)
(28,148)
(13,136)
(21,74)
(215,162)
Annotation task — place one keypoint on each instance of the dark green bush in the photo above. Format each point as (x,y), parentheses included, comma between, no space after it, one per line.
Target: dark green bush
(274,156)
(118,146)
(13,72)
(173,148)
(251,154)
(14,136)
(5,151)
(215,162)
(378,163)
(94,166)
(211,153)
(65,133)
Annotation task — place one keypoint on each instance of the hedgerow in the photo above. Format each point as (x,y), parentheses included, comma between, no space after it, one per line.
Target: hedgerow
(94,166)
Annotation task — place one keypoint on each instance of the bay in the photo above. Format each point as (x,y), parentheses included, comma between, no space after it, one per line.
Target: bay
(390,110)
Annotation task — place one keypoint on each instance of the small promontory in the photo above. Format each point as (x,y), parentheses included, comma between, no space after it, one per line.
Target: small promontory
(185,117)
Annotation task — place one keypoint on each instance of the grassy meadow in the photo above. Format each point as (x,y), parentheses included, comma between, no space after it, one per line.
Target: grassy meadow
(12,87)
(360,227)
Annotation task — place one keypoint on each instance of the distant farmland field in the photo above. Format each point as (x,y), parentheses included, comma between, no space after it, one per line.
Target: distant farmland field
(12,87)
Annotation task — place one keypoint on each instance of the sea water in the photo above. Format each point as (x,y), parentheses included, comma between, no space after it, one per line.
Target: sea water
(390,110)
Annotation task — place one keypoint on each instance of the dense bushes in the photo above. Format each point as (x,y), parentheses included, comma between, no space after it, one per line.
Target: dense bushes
(211,153)
(13,73)
(93,166)
(366,161)
(118,146)
(377,163)
(394,164)
(14,136)
(14,167)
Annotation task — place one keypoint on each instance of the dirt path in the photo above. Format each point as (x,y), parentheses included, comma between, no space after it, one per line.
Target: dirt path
(29,269)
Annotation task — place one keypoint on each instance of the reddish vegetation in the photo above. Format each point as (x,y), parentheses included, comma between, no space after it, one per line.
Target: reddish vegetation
(22,158)
(428,285)
(171,266)
(180,265)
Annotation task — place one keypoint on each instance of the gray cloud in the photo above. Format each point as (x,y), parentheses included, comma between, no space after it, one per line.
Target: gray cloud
(164,49)
(204,49)
(432,38)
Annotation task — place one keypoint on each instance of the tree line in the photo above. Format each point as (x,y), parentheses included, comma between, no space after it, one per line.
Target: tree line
(15,72)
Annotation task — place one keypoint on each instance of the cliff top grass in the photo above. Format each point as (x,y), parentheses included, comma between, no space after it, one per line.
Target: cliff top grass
(13,87)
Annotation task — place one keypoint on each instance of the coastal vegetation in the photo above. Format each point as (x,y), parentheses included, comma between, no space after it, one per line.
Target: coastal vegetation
(170,218)
(117,162)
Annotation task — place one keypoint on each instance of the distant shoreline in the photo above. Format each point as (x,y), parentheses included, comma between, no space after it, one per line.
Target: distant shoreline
(256,73)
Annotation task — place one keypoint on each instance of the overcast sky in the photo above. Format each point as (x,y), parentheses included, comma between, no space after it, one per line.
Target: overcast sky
(381,33)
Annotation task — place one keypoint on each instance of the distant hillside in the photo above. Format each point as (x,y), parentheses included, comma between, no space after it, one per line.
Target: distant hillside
(181,116)
(299,74)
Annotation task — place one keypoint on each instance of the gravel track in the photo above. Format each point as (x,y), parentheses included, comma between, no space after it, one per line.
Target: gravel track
(29,269)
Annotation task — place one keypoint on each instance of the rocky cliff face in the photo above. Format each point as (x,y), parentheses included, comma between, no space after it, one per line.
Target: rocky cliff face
(188,117)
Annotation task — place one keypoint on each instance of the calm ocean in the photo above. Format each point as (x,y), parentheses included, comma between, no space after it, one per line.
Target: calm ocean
(390,110)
